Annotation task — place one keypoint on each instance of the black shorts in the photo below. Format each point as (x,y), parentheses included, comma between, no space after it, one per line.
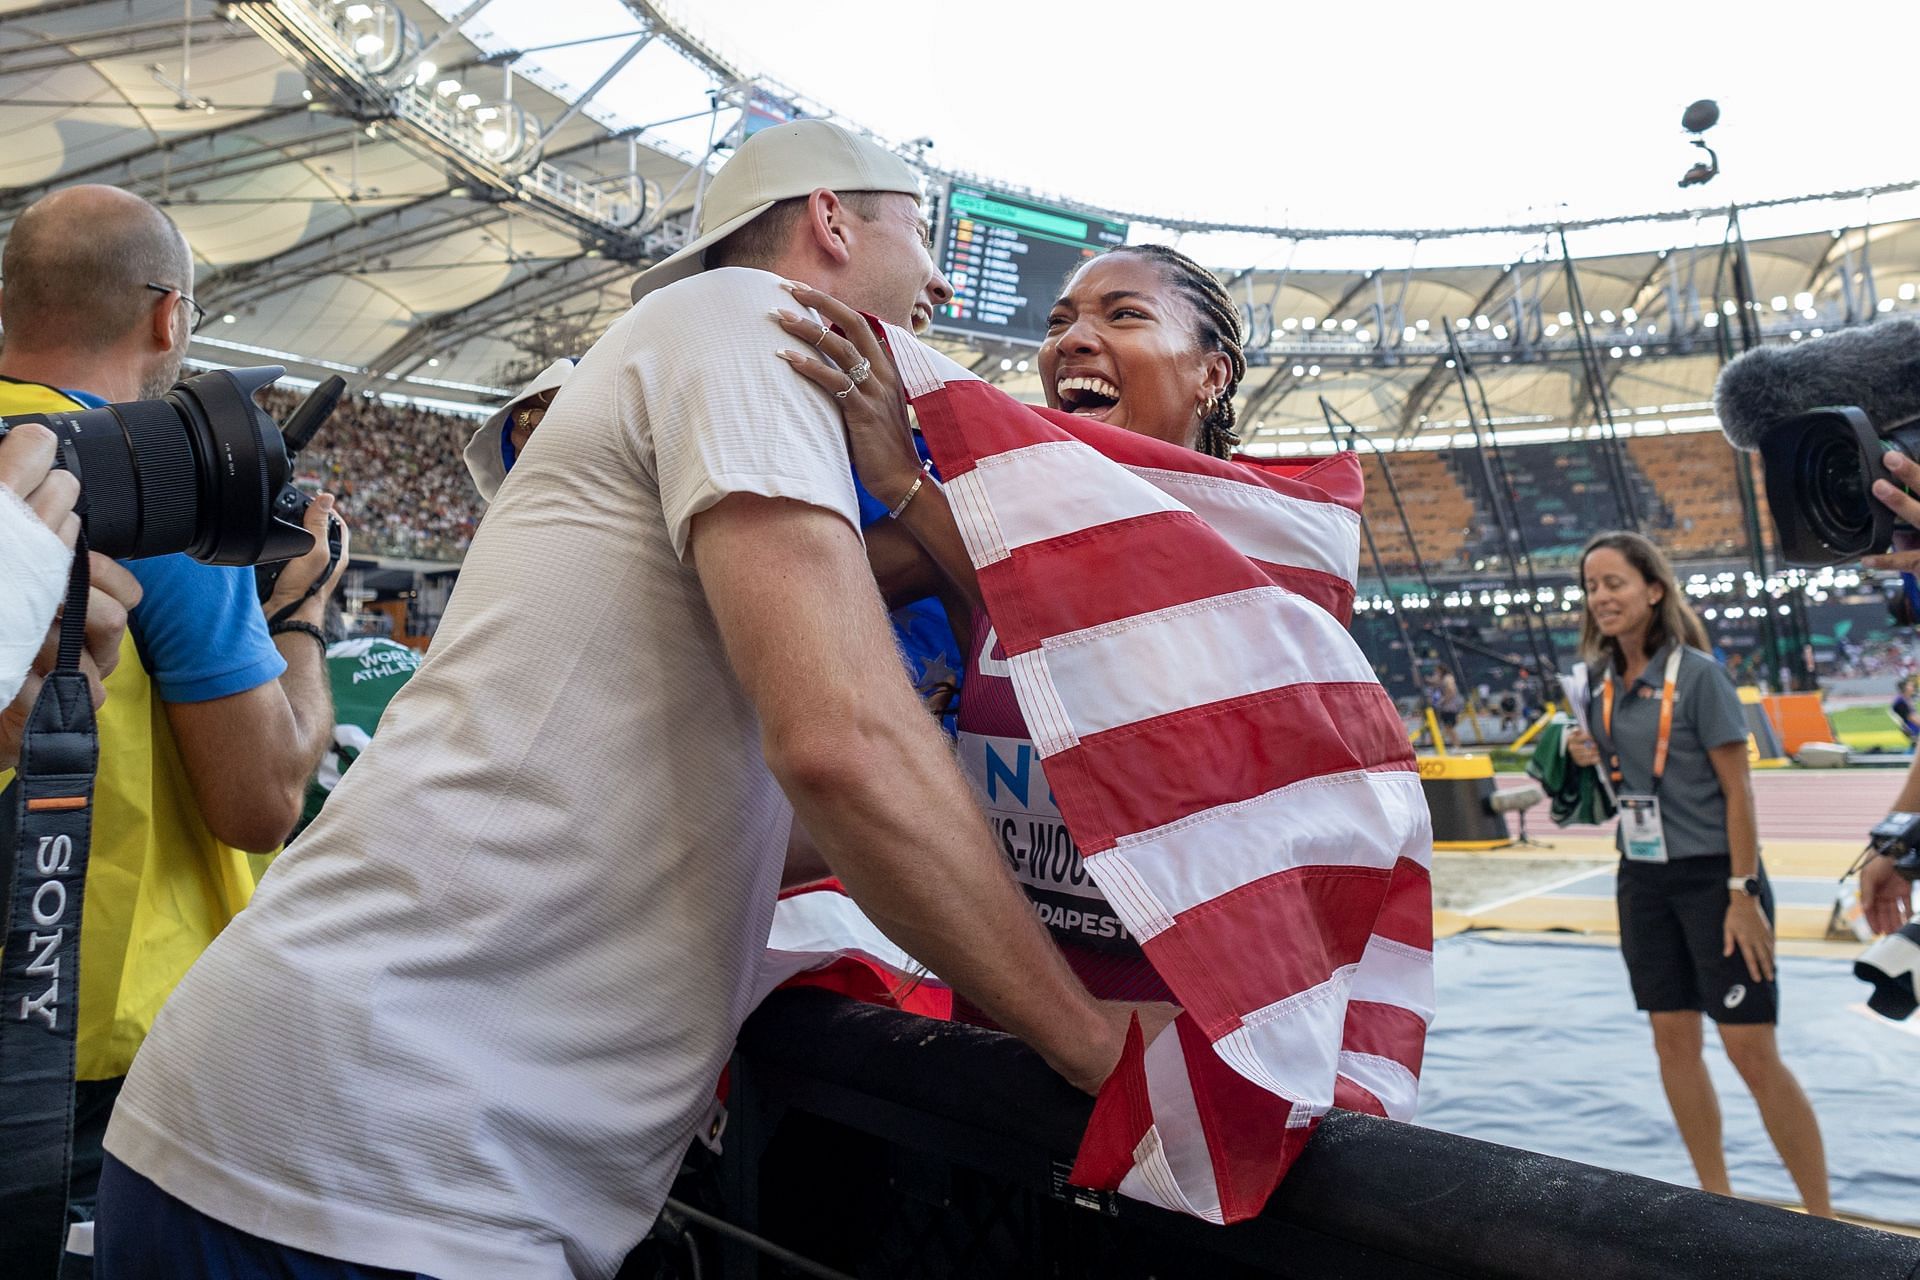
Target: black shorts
(1672,929)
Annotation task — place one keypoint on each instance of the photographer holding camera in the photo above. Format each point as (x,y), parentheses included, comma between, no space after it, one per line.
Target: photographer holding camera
(213,725)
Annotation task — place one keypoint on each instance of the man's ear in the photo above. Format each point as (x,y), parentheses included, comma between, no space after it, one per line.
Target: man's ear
(827,220)
(160,321)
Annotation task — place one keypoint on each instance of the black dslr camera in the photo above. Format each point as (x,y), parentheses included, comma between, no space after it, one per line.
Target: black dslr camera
(202,469)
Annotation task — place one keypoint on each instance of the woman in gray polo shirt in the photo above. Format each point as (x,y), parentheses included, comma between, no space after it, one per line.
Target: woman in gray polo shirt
(1696,913)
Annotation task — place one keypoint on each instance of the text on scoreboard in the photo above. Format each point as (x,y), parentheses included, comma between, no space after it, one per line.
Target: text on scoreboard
(1007,257)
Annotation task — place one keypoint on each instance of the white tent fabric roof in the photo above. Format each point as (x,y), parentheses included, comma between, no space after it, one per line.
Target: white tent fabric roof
(329,242)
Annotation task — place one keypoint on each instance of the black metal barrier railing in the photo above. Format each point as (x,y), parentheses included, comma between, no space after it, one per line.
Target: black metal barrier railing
(874,1143)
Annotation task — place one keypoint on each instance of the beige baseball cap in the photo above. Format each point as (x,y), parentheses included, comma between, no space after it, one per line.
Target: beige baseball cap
(780,163)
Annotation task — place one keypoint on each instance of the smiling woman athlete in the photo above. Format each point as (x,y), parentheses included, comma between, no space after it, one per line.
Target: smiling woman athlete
(1141,338)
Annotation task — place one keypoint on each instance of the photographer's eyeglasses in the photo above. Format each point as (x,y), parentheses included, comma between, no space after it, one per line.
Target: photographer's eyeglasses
(199,316)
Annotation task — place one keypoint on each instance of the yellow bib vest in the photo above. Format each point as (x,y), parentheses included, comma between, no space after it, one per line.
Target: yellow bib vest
(159,885)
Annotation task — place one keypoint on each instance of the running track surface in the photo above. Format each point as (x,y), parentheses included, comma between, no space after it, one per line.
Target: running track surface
(1794,804)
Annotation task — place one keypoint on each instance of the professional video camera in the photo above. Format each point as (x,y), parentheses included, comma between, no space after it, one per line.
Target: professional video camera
(202,469)
(1823,415)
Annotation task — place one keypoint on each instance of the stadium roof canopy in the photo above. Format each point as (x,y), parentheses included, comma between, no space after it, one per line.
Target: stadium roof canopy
(399,191)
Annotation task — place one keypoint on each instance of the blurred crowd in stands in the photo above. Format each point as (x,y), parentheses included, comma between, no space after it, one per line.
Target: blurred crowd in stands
(397,472)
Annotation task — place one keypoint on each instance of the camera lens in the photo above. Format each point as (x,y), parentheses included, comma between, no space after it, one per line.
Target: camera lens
(1831,476)
(202,470)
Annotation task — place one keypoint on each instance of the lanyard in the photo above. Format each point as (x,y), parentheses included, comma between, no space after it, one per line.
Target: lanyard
(1666,719)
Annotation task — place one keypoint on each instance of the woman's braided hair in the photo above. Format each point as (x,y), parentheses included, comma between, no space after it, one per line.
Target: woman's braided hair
(1219,330)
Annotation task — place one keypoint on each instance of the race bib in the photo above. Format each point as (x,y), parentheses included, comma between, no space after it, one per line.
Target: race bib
(1640,829)
(1012,786)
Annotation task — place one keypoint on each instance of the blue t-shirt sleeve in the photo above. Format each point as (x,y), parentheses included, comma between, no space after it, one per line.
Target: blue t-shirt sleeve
(200,629)
(871,508)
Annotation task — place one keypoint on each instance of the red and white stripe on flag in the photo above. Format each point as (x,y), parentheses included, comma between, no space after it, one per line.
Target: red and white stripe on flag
(1235,776)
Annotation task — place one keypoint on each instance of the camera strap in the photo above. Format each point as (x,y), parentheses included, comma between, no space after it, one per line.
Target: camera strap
(50,804)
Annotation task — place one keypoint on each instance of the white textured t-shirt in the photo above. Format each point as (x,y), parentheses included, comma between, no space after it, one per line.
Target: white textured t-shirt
(471,1018)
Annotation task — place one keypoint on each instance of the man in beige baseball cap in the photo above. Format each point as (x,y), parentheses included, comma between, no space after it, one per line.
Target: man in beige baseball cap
(789,193)
(470,1023)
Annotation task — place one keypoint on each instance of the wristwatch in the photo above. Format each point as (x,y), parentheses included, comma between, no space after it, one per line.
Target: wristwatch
(1749,885)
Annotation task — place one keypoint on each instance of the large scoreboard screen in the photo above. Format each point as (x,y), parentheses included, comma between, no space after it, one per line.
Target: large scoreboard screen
(1007,256)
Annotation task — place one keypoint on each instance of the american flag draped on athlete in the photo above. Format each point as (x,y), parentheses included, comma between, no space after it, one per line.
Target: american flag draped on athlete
(1236,779)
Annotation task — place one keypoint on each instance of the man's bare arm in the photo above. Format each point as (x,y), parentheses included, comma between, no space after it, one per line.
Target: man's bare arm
(872,780)
(248,756)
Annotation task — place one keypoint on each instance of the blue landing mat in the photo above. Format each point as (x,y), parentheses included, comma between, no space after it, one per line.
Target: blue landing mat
(1537,1045)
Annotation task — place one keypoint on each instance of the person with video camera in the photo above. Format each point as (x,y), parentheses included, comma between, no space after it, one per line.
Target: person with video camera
(1696,912)
(1836,422)
(212,725)
(1886,895)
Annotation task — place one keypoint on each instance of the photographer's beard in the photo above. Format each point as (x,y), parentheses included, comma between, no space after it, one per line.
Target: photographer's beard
(160,376)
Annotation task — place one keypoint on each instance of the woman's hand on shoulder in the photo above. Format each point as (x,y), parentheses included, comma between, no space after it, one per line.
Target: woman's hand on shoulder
(863,379)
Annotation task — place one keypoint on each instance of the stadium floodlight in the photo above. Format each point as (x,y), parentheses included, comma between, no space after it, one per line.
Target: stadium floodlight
(379,35)
(1566,319)
(447,88)
(1552,329)
(467,101)
(424,73)
(1299,371)
(1779,302)
(1313,371)
(1422,325)
(1606,317)
(1907,291)
(1308,322)
(1803,300)
(1886,304)
(1292,322)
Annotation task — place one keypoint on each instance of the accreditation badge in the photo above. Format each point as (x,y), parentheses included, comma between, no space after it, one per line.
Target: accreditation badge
(1640,829)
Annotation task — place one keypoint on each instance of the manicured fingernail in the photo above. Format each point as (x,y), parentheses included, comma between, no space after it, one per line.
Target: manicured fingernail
(782,314)
(791,285)
(788,356)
